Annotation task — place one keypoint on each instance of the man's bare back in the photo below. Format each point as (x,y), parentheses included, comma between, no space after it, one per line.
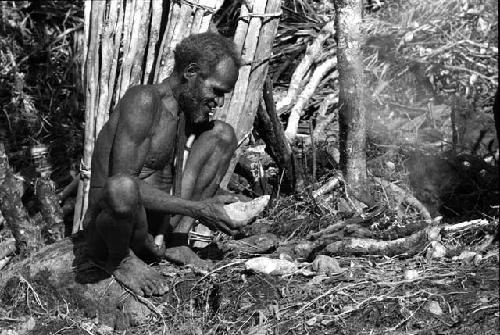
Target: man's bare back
(132,164)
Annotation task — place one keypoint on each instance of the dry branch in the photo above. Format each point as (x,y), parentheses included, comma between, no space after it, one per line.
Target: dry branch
(328,186)
(466,225)
(354,222)
(297,110)
(270,129)
(313,51)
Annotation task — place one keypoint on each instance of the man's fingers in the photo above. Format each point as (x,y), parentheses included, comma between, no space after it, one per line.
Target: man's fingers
(223,228)
(227,199)
(219,226)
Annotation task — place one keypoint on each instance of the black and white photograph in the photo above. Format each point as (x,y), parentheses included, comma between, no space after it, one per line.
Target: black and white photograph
(249,167)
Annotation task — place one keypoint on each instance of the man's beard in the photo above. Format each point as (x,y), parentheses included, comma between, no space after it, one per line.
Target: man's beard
(194,107)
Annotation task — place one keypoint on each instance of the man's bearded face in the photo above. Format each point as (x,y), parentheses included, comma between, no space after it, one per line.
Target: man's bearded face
(201,95)
(193,104)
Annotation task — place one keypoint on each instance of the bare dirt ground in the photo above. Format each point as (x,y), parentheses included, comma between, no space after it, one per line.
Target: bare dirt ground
(369,295)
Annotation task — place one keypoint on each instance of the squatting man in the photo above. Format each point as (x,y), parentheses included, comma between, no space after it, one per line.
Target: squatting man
(132,165)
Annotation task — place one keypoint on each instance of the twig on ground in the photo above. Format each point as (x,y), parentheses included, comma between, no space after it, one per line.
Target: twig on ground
(328,186)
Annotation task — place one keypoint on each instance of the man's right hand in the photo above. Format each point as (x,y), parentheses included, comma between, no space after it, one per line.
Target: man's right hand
(213,215)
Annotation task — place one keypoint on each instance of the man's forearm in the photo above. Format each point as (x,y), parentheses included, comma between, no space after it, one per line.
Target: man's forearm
(158,200)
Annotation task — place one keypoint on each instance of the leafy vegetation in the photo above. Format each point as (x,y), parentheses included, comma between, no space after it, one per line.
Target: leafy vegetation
(42,97)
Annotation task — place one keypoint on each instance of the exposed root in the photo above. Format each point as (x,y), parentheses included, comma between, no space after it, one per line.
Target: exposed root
(403,197)
(409,246)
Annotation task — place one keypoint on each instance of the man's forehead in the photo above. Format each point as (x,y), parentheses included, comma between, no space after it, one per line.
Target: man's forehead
(225,74)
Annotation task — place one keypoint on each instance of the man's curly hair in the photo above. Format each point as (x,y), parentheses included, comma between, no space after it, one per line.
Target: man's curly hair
(206,50)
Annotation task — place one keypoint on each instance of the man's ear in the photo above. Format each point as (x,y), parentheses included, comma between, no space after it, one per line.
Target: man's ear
(191,70)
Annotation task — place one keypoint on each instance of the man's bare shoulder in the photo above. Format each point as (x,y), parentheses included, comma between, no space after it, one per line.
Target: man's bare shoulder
(138,110)
(145,96)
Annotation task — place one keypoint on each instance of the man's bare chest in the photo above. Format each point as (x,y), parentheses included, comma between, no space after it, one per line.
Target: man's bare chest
(161,149)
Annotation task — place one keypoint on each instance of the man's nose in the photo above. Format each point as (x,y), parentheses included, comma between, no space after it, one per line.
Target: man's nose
(219,101)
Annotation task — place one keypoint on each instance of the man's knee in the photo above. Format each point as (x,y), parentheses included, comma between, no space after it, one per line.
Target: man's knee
(225,134)
(122,194)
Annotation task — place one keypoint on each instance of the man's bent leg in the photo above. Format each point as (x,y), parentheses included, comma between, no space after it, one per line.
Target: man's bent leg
(121,224)
(206,166)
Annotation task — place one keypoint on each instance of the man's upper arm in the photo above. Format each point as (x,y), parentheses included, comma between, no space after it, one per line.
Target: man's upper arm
(133,131)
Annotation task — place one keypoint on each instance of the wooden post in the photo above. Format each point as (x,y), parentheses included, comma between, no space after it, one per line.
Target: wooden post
(132,27)
(254,38)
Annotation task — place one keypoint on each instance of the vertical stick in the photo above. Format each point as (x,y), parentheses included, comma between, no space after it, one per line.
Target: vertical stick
(313,146)
(92,92)
(154,35)
(105,70)
(173,18)
(141,43)
(127,27)
(117,40)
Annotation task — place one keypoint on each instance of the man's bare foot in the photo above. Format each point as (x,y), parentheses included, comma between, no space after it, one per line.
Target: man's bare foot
(185,256)
(149,251)
(138,276)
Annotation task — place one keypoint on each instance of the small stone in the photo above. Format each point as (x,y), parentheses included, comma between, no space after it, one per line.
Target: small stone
(436,250)
(434,308)
(104,330)
(390,166)
(466,256)
(311,321)
(270,266)
(317,280)
(411,274)
(326,265)
(304,249)
(286,257)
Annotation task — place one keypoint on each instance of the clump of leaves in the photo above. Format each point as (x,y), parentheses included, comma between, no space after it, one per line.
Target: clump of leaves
(39,78)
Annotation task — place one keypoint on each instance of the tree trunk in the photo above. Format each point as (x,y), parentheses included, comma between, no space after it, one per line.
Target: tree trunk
(254,38)
(352,113)
(123,51)
(269,127)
